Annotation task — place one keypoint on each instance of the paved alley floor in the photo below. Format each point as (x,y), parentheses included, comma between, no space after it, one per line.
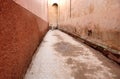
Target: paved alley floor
(60,56)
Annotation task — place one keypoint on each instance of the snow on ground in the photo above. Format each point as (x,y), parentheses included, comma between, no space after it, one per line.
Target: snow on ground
(60,56)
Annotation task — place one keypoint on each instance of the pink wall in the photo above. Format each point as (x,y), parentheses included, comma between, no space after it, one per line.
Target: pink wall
(102,17)
(38,7)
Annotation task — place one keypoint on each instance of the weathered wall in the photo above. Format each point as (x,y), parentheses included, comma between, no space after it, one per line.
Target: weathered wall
(97,21)
(20,34)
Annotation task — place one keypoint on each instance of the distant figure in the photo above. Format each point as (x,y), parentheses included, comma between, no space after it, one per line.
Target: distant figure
(52,27)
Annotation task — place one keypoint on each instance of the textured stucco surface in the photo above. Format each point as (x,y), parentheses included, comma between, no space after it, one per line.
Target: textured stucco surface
(97,21)
(20,34)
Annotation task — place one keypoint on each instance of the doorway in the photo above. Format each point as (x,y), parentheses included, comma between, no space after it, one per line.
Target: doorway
(53,16)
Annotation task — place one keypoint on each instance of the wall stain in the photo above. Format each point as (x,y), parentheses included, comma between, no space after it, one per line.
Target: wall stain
(91,8)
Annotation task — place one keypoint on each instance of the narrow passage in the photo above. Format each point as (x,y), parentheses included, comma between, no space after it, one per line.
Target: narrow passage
(60,56)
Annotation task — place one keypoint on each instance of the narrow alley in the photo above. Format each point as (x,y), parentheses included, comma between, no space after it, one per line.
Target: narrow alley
(59,39)
(60,56)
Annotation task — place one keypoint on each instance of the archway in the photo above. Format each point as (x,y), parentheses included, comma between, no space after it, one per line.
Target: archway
(53,16)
